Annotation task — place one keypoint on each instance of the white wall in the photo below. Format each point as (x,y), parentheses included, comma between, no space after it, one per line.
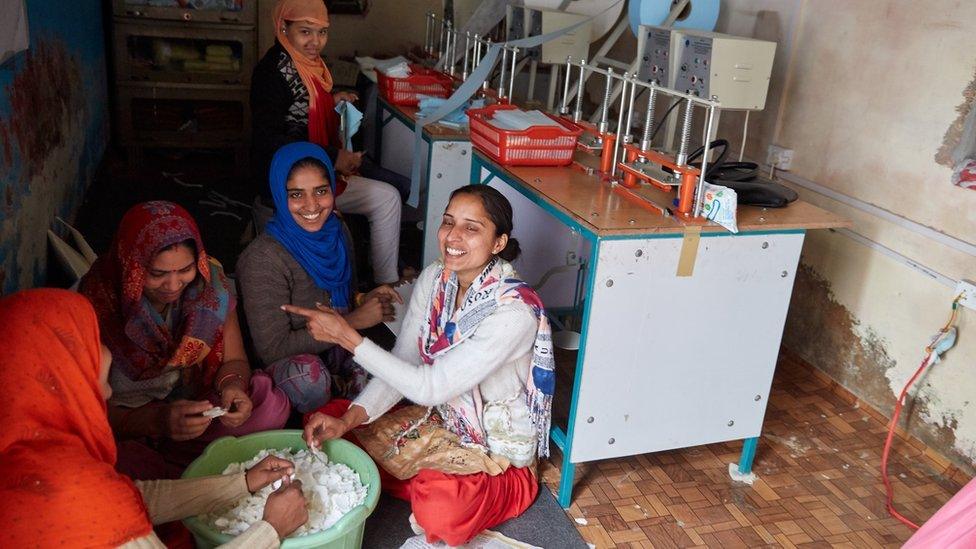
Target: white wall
(864,92)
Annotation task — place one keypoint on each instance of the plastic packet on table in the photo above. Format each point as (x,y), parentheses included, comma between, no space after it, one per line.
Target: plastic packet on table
(428,104)
(520,120)
(367,64)
(457,117)
(395,70)
(720,206)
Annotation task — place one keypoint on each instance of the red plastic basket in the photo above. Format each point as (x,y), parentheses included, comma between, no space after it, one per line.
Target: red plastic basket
(534,146)
(422,81)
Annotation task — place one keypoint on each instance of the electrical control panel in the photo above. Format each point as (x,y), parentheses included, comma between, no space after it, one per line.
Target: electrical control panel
(733,69)
(524,22)
(575,44)
(655,53)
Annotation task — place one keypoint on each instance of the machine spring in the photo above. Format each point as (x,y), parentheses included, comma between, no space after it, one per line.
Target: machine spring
(645,143)
(605,106)
(685,134)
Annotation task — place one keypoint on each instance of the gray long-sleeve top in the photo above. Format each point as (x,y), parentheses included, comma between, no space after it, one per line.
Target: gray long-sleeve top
(269,278)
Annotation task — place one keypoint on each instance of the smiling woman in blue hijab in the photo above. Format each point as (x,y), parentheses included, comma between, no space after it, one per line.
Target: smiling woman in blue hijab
(303,259)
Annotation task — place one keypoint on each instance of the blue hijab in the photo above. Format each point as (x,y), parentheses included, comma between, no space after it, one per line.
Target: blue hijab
(323,253)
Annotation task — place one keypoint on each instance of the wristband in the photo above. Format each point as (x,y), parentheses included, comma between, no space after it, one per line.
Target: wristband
(225,377)
(359,298)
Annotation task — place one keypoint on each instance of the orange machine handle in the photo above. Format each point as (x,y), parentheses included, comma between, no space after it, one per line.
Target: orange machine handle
(630,180)
(606,159)
(686,192)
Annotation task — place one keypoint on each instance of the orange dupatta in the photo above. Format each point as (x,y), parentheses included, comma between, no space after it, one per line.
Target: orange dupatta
(58,485)
(323,122)
(314,74)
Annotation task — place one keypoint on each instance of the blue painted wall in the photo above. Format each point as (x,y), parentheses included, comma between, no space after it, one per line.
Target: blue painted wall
(53,131)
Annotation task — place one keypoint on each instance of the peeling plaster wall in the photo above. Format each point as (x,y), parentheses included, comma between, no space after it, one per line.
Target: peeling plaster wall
(866,93)
(53,131)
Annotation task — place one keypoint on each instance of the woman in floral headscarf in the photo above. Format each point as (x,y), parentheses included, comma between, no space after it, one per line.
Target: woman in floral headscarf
(167,315)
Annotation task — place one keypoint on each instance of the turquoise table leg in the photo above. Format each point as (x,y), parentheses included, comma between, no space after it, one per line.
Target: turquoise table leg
(748,454)
(567,472)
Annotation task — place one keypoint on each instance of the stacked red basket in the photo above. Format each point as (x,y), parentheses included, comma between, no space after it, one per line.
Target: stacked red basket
(406,91)
(534,146)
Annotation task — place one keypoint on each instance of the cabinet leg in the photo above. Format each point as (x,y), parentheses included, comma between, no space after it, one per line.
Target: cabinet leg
(748,454)
(566,476)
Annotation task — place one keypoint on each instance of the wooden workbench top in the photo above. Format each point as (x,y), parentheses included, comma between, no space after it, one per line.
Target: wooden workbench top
(596,206)
(435,131)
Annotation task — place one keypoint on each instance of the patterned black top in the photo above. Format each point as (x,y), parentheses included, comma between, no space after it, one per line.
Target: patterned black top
(279,114)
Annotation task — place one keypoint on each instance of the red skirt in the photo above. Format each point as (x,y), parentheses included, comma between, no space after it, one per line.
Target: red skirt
(456,508)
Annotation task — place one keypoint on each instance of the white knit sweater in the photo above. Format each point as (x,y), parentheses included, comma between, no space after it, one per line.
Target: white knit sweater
(495,358)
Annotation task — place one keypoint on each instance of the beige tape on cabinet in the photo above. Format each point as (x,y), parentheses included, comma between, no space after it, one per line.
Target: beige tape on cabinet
(689,250)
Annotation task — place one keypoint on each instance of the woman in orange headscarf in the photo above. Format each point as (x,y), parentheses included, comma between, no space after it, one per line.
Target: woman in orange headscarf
(58,485)
(292,100)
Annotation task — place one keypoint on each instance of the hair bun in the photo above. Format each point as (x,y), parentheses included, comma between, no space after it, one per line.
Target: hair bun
(511,250)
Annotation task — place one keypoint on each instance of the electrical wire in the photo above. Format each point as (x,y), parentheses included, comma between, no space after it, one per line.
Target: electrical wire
(931,351)
(718,170)
(718,143)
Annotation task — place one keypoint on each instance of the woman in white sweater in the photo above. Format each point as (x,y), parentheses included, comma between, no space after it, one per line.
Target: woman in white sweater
(475,356)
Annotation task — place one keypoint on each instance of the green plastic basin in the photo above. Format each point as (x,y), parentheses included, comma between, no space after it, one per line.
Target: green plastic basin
(345,534)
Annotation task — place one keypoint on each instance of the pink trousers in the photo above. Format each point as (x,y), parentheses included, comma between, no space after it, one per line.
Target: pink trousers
(954,525)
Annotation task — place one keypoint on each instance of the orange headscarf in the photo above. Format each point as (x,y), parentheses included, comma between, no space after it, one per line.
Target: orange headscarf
(58,485)
(315,75)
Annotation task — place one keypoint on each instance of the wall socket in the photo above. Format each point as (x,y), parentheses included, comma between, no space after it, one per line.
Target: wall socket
(781,157)
(968,289)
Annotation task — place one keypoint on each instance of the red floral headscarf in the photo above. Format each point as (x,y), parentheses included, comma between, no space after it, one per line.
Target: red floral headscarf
(58,486)
(141,344)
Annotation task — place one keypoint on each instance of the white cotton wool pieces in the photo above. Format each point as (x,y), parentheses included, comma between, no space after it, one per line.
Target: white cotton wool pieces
(331,490)
(216,411)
